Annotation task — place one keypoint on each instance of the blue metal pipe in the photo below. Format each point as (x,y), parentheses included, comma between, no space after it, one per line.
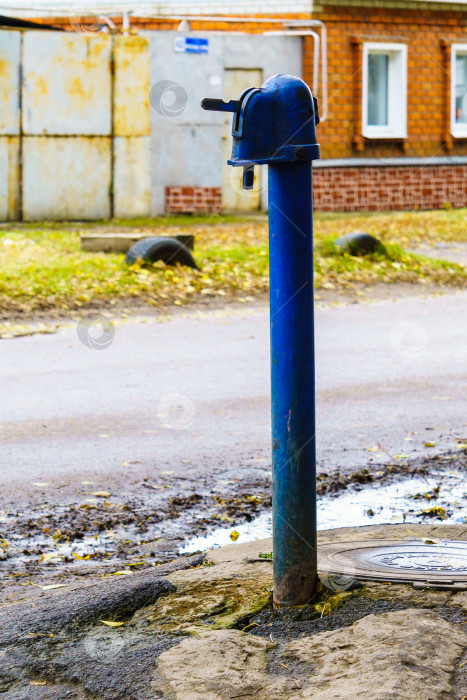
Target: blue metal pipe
(276,125)
(293,382)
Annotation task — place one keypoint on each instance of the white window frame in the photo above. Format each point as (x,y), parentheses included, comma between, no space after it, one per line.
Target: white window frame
(457,130)
(397,91)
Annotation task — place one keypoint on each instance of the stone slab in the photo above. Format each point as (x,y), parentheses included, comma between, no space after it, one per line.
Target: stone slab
(122,242)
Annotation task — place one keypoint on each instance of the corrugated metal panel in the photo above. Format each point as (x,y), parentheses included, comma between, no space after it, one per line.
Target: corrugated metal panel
(131,86)
(9,178)
(132,179)
(67,84)
(10,56)
(66,178)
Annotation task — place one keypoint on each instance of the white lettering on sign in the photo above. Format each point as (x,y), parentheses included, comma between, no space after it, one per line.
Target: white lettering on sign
(190,44)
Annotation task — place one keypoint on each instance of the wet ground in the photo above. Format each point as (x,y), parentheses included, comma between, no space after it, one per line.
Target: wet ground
(113,460)
(108,534)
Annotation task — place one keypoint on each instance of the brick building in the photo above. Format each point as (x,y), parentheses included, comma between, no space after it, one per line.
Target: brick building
(390,76)
(395,134)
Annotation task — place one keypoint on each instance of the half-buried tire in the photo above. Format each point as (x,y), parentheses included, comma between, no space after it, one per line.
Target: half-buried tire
(169,250)
(360,243)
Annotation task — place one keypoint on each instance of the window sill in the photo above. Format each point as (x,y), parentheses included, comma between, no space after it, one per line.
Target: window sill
(384,137)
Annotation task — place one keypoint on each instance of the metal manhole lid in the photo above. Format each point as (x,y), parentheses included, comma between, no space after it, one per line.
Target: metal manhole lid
(438,563)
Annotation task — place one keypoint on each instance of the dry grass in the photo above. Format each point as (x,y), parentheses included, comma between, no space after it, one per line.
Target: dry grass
(45,269)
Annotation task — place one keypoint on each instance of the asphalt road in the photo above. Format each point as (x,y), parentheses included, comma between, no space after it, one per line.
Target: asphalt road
(192,393)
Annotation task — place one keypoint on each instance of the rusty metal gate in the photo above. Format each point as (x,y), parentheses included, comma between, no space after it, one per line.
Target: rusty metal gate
(74,131)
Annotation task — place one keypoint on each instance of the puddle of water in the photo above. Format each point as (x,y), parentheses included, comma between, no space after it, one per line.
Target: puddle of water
(88,547)
(389,504)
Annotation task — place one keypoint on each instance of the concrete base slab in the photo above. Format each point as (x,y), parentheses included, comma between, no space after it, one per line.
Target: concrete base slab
(205,628)
(122,242)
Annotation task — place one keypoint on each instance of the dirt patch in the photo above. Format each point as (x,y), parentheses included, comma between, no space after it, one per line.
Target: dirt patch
(18,324)
(337,481)
(47,542)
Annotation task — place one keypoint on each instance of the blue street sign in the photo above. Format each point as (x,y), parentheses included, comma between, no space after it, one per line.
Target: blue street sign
(190,44)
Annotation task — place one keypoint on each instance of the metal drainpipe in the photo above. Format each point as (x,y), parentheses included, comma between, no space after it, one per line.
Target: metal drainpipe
(324,59)
(125,23)
(302,23)
(275,125)
(316,42)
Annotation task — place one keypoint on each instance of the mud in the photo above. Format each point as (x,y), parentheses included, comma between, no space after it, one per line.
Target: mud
(17,324)
(48,543)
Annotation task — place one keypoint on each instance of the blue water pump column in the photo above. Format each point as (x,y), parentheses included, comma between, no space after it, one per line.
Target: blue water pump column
(276,125)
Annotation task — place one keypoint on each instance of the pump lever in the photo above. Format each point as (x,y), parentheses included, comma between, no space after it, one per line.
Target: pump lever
(217,105)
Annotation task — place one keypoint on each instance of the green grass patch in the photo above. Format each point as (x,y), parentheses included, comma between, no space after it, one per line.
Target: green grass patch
(43,267)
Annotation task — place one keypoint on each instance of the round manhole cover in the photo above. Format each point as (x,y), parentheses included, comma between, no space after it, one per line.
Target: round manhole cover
(441,563)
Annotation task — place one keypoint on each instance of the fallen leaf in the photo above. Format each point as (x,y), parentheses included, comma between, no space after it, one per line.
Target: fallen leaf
(50,556)
(234,535)
(435,512)
(40,483)
(53,585)
(429,444)
(77,556)
(110,623)
(37,682)
(102,494)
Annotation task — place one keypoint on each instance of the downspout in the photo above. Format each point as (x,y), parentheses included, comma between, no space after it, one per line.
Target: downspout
(301,30)
(324,59)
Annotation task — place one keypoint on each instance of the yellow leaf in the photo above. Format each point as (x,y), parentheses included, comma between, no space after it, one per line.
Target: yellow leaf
(102,494)
(37,682)
(429,444)
(87,556)
(50,556)
(373,449)
(234,535)
(110,623)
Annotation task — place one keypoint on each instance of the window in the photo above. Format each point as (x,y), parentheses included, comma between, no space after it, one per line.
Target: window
(384,108)
(459,90)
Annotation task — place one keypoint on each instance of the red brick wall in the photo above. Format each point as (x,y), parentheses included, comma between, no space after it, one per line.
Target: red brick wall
(428,33)
(205,200)
(387,188)
(371,188)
